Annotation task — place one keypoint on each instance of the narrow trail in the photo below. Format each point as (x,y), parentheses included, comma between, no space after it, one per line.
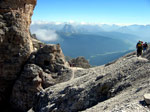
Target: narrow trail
(74,69)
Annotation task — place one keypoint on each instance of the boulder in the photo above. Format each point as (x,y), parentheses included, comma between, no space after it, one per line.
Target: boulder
(147,98)
(50,58)
(79,62)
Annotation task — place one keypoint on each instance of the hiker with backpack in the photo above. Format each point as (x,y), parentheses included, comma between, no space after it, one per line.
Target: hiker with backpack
(139,48)
(145,46)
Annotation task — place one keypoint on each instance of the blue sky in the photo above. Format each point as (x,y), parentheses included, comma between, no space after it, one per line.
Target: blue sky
(93,11)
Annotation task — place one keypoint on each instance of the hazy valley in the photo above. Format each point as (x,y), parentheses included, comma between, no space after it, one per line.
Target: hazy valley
(99,44)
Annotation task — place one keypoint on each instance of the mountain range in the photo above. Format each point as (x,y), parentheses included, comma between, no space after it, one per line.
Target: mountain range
(93,41)
(142,31)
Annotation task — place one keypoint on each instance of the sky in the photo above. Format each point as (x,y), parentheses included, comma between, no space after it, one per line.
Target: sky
(93,11)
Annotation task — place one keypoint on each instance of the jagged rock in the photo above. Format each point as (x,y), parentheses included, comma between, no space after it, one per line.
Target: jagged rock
(28,84)
(15,43)
(79,62)
(50,58)
(34,36)
(147,98)
(17,48)
(31,81)
(112,84)
(37,44)
(45,67)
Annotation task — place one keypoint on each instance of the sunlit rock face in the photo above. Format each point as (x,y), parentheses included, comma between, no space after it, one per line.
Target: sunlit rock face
(15,42)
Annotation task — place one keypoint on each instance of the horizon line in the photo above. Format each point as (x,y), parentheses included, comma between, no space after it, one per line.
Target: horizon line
(82,23)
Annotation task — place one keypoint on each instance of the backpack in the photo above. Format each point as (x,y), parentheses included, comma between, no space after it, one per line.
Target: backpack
(145,45)
(139,45)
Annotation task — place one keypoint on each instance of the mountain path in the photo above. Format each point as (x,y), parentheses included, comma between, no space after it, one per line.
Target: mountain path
(74,69)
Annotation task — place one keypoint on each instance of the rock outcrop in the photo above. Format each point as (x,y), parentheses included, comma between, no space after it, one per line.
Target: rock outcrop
(36,43)
(15,43)
(50,58)
(79,62)
(45,67)
(147,98)
(28,84)
(27,65)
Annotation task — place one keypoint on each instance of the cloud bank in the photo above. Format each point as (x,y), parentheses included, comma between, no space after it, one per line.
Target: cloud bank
(46,35)
(82,23)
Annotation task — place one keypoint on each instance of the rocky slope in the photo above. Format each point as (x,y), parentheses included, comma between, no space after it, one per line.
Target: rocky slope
(114,87)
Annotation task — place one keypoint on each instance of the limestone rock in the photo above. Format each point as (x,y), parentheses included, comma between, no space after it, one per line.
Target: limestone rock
(45,67)
(36,43)
(50,58)
(147,98)
(26,86)
(79,62)
(15,43)
(31,81)
(107,84)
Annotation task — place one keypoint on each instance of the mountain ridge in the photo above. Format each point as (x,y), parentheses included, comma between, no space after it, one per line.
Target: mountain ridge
(135,29)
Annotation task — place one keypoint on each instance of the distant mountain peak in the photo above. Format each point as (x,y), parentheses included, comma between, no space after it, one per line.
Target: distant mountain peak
(68,28)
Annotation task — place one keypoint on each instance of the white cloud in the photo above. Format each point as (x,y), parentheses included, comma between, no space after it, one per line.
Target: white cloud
(45,22)
(41,22)
(71,22)
(46,35)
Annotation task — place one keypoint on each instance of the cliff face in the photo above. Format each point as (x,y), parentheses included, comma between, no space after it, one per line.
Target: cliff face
(15,43)
(27,66)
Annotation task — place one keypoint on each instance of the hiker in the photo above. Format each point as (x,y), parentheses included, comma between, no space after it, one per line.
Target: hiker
(145,46)
(139,48)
